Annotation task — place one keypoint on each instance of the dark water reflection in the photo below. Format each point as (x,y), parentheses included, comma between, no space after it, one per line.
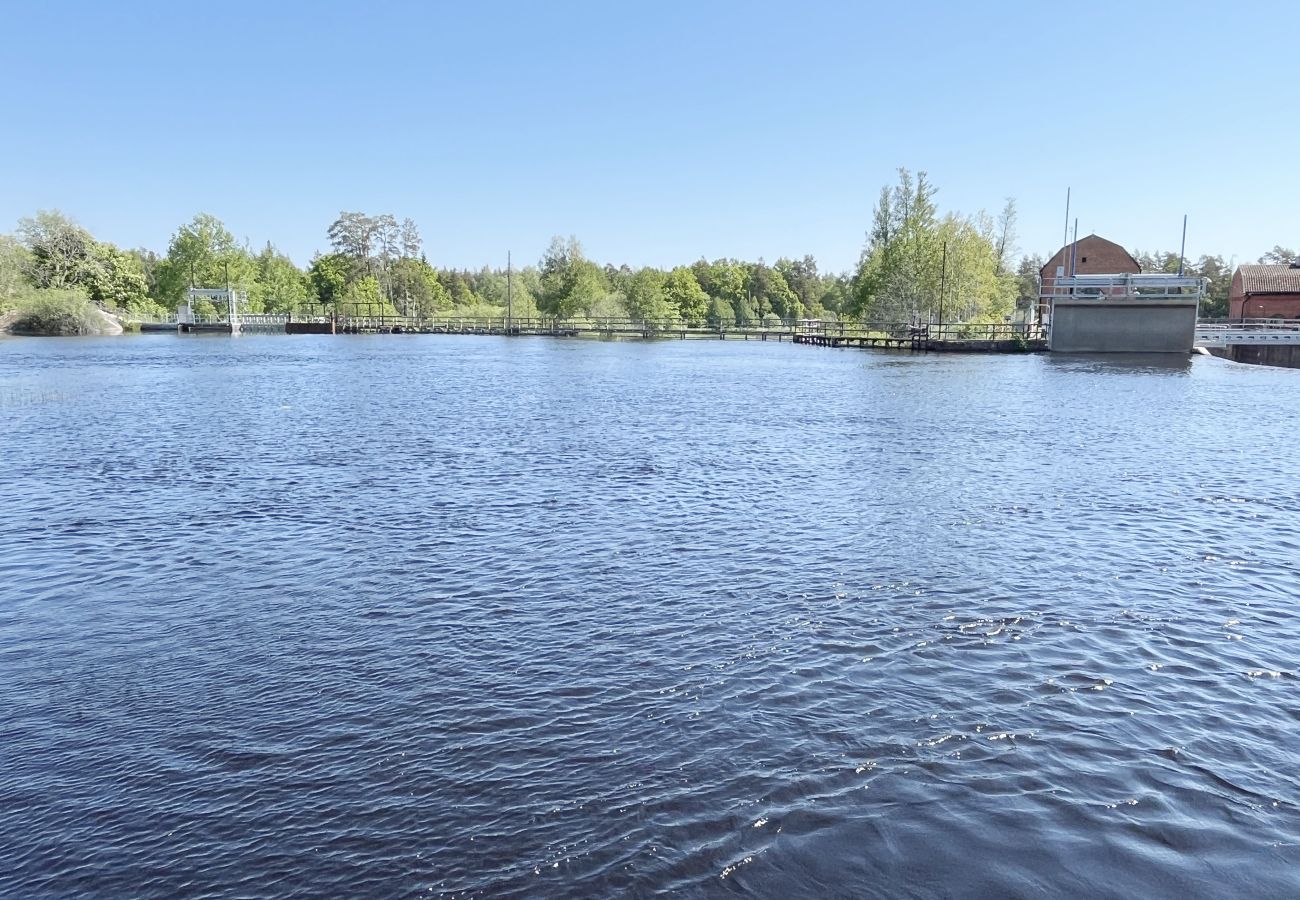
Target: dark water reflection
(353,616)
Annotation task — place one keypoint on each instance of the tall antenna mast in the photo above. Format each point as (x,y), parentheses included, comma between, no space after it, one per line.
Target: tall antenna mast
(1065,239)
(1182,249)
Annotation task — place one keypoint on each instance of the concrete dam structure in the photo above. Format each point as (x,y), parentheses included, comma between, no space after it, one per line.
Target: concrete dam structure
(1124,313)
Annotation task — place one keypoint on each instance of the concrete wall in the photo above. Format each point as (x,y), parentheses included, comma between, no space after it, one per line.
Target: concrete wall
(1285,355)
(1093,325)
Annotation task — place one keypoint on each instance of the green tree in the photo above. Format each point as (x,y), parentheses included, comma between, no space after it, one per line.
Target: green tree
(417,290)
(721,314)
(771,293)
(1279,256)
(115,279)
(723,278)
(15,263)
(205,254)
(60,252)
(645,296)
(802,278)
(362,297)
(458,288)
(328,277)
(280,286)
(1027,288)
(898,274)
(685,296)
(1213,269)
(973,284)
(147,262)
(571,283)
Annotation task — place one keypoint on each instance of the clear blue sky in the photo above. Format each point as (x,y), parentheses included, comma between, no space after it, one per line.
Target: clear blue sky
(657,132)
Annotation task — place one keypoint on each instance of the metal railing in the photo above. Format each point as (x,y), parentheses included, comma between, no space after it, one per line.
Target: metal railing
(1123,286)
(991,331)
(1251,324)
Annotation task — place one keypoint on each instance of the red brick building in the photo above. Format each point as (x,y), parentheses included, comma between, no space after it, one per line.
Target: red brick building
(1265,292)
(1092,255)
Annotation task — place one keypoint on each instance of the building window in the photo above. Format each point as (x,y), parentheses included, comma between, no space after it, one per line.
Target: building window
(1083,259)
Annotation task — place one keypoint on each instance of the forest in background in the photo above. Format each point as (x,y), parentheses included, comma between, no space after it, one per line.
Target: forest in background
(918,264)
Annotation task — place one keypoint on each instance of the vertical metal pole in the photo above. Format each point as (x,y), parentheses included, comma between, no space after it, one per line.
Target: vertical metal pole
(510,316)
(232,312)
(1182,249)
(1065,238)
(943,283)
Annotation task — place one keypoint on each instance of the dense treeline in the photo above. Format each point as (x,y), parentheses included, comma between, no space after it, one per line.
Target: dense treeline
(918,264)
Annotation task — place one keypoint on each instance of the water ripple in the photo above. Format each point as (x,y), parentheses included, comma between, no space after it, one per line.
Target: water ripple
(474,617)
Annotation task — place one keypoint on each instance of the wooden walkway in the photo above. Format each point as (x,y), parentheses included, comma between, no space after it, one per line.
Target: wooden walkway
(968,338)
(933,338)
(603,328)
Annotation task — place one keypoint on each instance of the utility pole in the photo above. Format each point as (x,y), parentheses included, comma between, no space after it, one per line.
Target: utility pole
(943,283)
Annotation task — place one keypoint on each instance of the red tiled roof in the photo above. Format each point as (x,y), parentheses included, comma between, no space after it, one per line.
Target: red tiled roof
(1269,279)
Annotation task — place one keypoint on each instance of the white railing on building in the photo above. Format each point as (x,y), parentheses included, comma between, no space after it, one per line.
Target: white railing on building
(1123,286)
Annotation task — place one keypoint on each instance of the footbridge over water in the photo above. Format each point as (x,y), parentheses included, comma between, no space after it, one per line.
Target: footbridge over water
(1269,342)
(1216,333)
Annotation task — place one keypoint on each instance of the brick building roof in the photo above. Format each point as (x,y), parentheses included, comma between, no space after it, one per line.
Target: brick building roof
(1269,279)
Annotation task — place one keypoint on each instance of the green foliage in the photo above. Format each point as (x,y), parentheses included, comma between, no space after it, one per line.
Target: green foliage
(1214,269)
(685,296)
(920,266)
(1279,256)
(114,278)
(918,263)
(377,247)
(1027,281)
(721,314)
(645,296)
(60,252)
(328,277)
(55,312)
(458,288)
(769,292)
(362,297)
(279,286)
(899,273)
(204,253)
(416,288)
(801,277)
(724,279)
(522,285)
(15,262)
(607,305)
(973,286)
(571,283)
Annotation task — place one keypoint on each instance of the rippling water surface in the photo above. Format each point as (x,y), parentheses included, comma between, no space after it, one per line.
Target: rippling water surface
(478,617)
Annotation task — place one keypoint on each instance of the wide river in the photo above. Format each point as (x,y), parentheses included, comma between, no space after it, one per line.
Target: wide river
(476,616)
